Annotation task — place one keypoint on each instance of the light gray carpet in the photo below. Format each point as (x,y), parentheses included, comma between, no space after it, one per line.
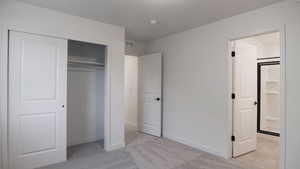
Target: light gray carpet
(155,153)
(92,156)
(144,152)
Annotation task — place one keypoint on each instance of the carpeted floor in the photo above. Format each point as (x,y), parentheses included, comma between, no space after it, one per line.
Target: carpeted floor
(148,152)
(156,153)
(143,152)
(92,156)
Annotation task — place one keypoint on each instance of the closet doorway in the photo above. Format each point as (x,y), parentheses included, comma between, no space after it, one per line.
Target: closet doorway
(256,100)
(143,96)
(85,97)
(268,92)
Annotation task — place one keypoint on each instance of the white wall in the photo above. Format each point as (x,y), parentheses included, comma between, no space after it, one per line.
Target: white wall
(271,47)
(292,86)
(270,50)
(268,45)
(135,48)
(23,17)
(85,117)
(2,107)
(131,90)
(196,78)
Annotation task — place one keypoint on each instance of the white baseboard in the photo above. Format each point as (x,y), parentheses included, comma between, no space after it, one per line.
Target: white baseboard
(114,147)
(194,145)
(82,141)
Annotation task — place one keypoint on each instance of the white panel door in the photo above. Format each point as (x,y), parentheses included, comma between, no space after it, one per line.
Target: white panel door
(150,79)
(37,95)
(245,89)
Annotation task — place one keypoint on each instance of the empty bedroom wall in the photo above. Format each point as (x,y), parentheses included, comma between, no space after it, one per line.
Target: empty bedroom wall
(268,45)
(85,106)
(196,84)
(2,107)
(135,48)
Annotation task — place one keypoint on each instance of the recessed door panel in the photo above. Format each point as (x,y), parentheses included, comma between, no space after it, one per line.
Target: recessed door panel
(39,70)
(37,133)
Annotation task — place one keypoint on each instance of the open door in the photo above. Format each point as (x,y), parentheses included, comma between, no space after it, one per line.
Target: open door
(37,97)
(245,102)
(150,80)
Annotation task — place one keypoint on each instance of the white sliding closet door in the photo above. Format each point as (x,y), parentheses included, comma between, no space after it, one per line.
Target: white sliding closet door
(37,95)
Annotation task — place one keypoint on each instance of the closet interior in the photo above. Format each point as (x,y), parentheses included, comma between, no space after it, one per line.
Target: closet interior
(85,93)
(269,97)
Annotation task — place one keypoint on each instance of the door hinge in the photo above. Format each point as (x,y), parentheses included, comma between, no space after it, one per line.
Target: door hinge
(232,138)
(233,54)
(233,95)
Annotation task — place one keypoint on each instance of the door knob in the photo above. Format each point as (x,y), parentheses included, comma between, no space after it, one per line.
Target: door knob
(255,103)
(157,99)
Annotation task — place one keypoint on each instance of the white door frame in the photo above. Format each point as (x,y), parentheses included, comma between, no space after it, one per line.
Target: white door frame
(4,31)
(282,31)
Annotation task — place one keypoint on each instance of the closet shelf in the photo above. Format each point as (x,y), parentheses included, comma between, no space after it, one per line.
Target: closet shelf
(272,92)
(82,69)
(272,81)
(272,118)
(86,62)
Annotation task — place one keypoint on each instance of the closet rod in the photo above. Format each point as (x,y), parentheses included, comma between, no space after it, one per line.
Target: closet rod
(86,62)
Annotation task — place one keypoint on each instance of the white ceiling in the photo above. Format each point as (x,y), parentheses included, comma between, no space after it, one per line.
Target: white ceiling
(172,15)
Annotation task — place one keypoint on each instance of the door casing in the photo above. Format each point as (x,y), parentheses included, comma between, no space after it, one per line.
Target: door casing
(282,32)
